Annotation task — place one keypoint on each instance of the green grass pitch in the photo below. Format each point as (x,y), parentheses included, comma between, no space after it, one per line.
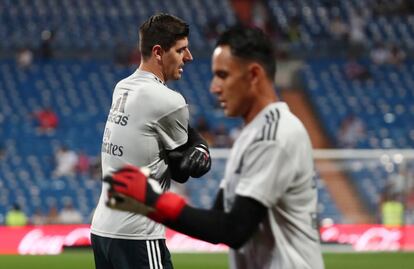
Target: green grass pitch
(84,260)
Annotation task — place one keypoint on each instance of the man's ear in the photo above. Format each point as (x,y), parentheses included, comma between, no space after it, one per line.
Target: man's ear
(157,51)
(255,72)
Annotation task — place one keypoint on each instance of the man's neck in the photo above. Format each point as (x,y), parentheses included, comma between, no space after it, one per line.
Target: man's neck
(152,68)
(264,95)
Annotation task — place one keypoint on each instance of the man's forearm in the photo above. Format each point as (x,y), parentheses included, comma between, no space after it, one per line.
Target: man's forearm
(215,226)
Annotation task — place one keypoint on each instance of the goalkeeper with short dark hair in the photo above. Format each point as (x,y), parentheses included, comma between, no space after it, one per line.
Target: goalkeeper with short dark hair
(147,125)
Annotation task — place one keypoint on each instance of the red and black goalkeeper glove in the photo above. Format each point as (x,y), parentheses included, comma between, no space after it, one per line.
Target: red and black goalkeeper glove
(132,190)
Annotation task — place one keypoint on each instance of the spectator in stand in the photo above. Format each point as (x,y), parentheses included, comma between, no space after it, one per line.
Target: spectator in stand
(47,120)
(24,58)
(351,132)
(70,215)
(38,218)
(46,45)
(396,56)
(357,37)
(83,164)
(260,16)
(95,168)
(52,216)
(355,70)
(392,210)
(379,54)
(66,161)
(339,33)
(396,183)
(16,217)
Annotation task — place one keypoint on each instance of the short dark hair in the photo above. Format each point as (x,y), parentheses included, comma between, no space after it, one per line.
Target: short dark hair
(161,29)
(251,44)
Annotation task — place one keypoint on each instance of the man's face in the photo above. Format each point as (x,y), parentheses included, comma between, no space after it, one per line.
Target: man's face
(174,59)
(230,82)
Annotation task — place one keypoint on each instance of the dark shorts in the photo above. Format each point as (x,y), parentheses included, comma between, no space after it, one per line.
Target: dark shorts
(113,253)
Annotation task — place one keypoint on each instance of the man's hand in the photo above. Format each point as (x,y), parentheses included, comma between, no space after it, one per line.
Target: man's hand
(193,162)
(132,181)
(132,190)
(191,159)
(122,202)
(198,160)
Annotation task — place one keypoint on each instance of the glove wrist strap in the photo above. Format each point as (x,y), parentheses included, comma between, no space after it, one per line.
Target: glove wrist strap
(203,149)
(168,207)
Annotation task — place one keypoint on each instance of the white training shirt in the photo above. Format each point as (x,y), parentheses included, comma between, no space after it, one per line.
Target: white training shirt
(271,162)
(146,119)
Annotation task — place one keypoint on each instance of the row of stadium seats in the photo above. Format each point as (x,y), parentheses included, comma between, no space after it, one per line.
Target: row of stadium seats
(100,24)
(385,102)
(316,18)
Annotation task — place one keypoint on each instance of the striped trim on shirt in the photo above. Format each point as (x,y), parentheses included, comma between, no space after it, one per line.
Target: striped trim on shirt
(269,130)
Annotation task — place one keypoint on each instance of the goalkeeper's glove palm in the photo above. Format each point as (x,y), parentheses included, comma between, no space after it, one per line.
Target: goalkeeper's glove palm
(132,190)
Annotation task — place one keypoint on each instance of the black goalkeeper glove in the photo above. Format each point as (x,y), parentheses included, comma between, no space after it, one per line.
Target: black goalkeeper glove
(198,162)
(194,162)
(192,159)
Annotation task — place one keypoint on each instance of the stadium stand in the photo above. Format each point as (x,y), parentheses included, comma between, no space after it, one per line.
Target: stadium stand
(100,25)
(79,88)
(392,24)
(385,102)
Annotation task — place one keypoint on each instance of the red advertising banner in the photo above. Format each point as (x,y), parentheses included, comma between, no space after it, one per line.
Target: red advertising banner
(370,237)
(178,242)
(52,239)
(48,239)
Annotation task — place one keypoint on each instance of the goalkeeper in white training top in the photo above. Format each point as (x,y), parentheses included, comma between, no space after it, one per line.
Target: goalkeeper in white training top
(147,126)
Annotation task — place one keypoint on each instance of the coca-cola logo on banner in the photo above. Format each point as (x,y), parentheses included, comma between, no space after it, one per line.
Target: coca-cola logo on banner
(365,237)
(37,242)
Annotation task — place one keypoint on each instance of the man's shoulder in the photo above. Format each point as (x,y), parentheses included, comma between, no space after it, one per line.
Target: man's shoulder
(277,125)
(150,90)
